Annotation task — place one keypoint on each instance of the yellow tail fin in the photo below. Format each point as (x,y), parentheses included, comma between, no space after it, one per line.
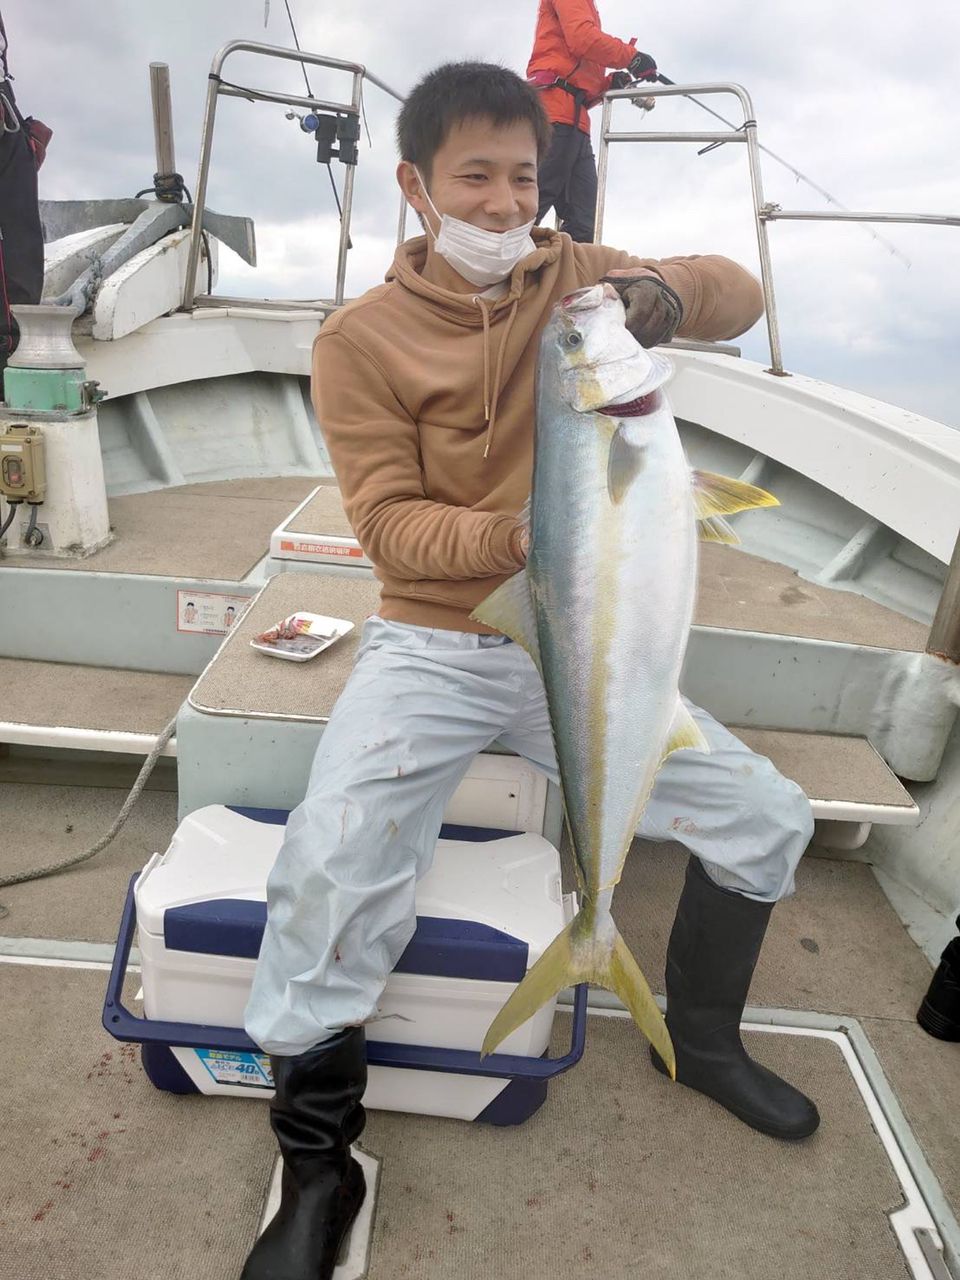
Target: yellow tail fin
(572,958)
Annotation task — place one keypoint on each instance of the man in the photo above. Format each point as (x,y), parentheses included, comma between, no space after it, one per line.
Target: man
(568,65)
(424,389)
(23,144)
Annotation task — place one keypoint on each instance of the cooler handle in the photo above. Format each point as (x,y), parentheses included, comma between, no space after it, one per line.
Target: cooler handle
(124,1025)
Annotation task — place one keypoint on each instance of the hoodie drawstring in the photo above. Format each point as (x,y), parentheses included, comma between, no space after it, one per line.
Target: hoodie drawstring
(490,409)
(486,361)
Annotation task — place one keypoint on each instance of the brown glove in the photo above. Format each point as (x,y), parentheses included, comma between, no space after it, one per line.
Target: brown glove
(39,135)
(654,312)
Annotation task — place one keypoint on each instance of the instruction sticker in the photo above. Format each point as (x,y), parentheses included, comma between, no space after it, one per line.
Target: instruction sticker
(343,549)
(228,1067)
(208,613)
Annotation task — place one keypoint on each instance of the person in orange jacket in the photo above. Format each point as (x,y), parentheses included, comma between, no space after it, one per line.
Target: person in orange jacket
(568,65)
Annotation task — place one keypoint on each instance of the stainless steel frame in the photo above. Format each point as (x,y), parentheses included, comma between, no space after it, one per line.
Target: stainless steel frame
(944,639)
(763,212)
(216,87)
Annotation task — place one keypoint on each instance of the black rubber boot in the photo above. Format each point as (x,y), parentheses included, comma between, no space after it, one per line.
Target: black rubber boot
(939,1012)
(713,951)
(315,1116)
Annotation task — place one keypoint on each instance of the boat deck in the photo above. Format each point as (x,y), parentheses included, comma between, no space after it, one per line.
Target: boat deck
(619,1174)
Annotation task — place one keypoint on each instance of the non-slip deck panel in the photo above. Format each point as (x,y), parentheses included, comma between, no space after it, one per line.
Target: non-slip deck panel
(214,531)
(623,1174)
(73,696)
(829,766)
(743,592)
(243,681)
(102,1174)
(323,514)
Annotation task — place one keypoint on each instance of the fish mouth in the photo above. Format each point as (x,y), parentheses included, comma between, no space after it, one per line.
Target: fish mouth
(638,407)
(588,299)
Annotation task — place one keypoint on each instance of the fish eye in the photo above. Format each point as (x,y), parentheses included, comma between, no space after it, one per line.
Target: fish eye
(573,338)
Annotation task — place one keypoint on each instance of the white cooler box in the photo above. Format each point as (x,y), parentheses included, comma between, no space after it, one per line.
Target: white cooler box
(486,911)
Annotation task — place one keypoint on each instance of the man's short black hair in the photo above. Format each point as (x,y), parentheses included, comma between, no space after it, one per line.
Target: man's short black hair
(461,91)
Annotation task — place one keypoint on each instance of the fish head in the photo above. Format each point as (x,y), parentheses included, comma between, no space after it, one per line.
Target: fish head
(593,357)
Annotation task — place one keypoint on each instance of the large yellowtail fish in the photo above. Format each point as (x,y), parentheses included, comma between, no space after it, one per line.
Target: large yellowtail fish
(604,608)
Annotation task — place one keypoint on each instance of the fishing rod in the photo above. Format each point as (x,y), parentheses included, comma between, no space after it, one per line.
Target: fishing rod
(801,177)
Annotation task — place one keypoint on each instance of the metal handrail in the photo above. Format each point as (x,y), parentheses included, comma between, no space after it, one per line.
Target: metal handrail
(763,212)
(944,638)
(216,87)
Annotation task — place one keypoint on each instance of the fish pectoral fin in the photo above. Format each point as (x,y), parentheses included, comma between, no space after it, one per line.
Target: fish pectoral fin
(684,733)
(715,495)
(509,610)
(625,461)
(572,958)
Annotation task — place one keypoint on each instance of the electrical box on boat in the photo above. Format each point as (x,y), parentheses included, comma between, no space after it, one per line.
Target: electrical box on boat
(486,910)
(22,476)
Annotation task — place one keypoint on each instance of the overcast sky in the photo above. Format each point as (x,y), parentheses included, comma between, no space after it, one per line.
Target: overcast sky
(860,96)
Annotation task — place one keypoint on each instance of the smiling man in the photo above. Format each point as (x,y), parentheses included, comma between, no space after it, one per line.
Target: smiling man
(424,390)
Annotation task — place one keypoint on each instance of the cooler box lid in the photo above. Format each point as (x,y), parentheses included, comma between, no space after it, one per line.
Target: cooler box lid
(487,909)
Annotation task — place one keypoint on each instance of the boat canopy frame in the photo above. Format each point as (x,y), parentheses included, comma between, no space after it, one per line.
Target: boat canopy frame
(217,87)
(944,641)
(763,211)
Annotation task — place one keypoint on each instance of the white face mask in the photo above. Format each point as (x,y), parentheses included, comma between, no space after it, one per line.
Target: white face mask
(482,257)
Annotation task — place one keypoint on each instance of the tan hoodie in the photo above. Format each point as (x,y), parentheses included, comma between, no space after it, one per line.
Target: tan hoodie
(426,401)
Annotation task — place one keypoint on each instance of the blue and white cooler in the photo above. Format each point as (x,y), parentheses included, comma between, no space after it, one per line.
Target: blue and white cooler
(486,911)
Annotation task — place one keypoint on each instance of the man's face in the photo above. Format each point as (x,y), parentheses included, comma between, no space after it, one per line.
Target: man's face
(484,174)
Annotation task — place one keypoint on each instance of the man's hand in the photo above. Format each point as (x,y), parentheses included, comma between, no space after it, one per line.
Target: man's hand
(643,67)
(38,136)
(653,310)
(620,80)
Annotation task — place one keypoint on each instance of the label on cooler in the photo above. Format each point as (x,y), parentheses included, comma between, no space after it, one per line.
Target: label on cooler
(228,1067)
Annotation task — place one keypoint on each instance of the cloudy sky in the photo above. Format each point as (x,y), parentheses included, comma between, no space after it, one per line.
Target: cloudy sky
(860,96)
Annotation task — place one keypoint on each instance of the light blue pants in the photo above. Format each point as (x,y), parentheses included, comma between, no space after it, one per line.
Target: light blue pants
(418,706)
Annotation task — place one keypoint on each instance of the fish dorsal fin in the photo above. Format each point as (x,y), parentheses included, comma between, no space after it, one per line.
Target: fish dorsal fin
(509,610)
(625,461)
(684,733)
(717,496)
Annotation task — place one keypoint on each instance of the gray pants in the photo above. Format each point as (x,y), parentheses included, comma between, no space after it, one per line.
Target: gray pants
(418,706)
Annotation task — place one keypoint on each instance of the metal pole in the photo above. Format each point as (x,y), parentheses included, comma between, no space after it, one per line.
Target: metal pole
(944,639)
(284,99)
(651,136)
(766,266)
(602,163)
(200,192)
(347,206)
(773,214)
(344,234)
(162,118)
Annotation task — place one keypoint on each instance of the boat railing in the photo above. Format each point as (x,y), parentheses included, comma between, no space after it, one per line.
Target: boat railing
(217,87)
(763,211)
